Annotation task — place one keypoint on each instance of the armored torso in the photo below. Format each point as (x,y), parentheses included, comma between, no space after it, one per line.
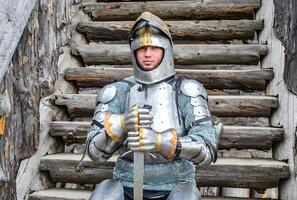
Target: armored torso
(161,98)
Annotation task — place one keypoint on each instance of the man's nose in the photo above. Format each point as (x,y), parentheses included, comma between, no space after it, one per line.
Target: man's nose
(148,52)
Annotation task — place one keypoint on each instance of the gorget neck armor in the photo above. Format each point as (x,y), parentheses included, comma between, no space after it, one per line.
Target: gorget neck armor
(150,30)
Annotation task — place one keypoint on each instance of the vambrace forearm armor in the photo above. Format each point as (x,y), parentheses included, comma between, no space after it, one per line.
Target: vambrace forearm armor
(199,152)
(107,130)
(199,145)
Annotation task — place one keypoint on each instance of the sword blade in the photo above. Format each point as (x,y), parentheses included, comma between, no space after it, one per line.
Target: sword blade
(138,169)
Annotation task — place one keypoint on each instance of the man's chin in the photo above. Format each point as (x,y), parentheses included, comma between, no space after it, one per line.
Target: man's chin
(147,68)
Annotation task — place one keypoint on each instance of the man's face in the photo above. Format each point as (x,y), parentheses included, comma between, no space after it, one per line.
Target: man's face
(149,57)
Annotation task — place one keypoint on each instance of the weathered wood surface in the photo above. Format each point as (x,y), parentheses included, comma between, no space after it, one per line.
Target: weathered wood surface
(5,105)
(196,67)
(30,76)
(210,9)
(211,79)
(93,54)
(94,90)
(285,29)
(243,121)
(227,121)
(285,115)
(239,137)
(180,30)
(71,194)
(221,106)
(13,18)
(229,172)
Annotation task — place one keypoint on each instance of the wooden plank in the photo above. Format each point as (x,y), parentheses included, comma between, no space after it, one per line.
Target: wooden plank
(239,137)
(210,9)
(60,194)
(228,172)
(94,90)
(243,121)
(180,30)
(184,54)
(227,121)
(221,106)
(71,194)
(13,18)
(196,67)
(285,30)
(286,114)
(211,79)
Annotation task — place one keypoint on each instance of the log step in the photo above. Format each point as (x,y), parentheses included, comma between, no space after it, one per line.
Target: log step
(226,172)
(180,30)
(211,79)
(184,54)
(238,137)
(220,106)
(71,194)
(207,9)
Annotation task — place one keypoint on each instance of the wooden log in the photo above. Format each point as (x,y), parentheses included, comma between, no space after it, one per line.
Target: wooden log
(95,90)
(285,20)
(93,54)
(196,67)
(71,194)
(243,121)
(211,79)
(227,121)
(238,137)
(221,106)
(180,30)
(29,77)
(210,9)
(228,172)
(13,19)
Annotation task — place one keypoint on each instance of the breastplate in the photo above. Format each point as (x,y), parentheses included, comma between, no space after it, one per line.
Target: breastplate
(162,100)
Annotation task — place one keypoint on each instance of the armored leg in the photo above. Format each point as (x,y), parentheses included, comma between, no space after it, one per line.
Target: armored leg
(108,190)
(185,191)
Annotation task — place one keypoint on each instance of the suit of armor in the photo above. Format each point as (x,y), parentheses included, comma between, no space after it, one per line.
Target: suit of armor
(156,112)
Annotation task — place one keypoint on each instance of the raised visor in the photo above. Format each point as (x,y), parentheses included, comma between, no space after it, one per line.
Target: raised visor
(226,172)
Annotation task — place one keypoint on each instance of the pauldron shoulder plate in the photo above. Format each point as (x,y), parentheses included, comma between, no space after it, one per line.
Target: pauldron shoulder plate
(106,94)
(193,88)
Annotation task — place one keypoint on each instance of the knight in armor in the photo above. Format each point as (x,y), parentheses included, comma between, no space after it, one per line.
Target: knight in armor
(156,112)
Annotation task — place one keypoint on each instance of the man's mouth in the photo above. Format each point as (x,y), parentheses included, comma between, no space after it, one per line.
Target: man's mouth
(147,62)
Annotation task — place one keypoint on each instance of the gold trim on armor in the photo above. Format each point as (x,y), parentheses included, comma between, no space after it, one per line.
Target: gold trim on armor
(107,127)
(173,142)
(123,128)
(159,141)
(145,36)
(141,139)
(148,16)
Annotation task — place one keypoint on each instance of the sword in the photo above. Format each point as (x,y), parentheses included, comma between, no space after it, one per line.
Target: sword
(138,169)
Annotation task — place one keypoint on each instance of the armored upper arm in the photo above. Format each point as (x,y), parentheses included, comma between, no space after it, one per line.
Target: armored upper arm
(106,133)
(199,144)
(199,112)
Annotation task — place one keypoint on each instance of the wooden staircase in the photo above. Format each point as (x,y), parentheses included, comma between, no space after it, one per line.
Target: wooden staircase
(221,51)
